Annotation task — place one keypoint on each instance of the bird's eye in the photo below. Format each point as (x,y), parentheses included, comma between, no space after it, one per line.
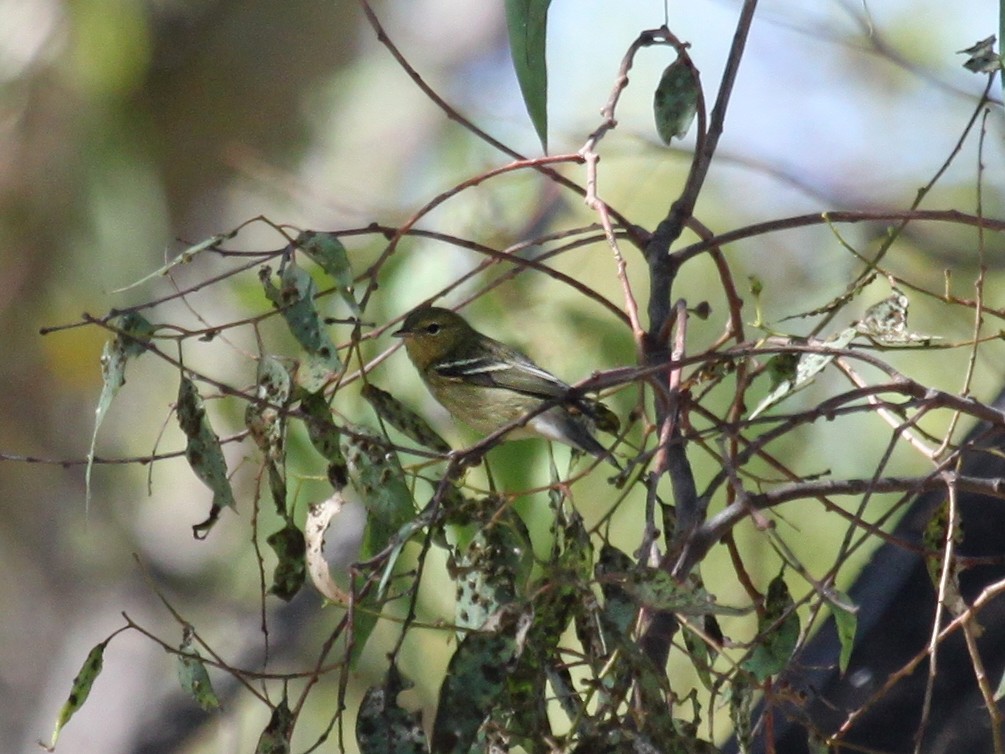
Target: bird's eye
(433,328)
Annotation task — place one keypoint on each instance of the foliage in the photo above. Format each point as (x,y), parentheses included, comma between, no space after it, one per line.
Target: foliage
(560,640)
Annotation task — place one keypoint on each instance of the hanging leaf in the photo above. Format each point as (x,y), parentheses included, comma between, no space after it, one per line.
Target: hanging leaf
(294,298)
(527,24)
(777,635)
(675,102)
(131,340)
(319,517)
(275,739)
(290,548)
(846,623)
(328,253)
(80,689)
(377,475)
(490,570)
(203,452)
(266,421)
(476,677)
(402,418)
(324,436)
(193,676)
(383,727)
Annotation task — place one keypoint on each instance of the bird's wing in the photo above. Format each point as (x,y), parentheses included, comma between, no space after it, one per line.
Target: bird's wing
(520,375)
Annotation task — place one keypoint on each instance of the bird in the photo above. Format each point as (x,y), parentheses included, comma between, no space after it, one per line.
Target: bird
(487,384)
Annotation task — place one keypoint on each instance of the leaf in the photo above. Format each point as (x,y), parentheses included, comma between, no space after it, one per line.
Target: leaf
(203,452)
(184,258)
(846,623)
(319,517)
(266,421)
(658,590)
(377,475)
(476,677)
(134,333)
(490,569)
(80,689)
(193,676)
(275,739)
(788,379)
(402,418)
(324,436)
(328,253)
(383,727)
(289,545)
(676,100)
(527,24)
(778,633)
(294,298)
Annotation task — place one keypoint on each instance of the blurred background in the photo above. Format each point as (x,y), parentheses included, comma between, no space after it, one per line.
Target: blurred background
(130,129)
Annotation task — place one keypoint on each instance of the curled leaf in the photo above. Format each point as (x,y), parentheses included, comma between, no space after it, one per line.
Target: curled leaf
(675,102)
(203,452)
(319,517)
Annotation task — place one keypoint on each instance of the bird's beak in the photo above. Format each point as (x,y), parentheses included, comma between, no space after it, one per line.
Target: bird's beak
(402,333)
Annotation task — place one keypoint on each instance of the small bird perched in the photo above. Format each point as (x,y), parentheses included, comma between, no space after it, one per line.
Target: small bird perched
(487,384)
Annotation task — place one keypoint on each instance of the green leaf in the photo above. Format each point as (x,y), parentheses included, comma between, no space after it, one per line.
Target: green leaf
(778,633)
(184,258)
(266,422)
(402,418)
(324,436)
(290,548)
(383,727)
(193,676)
(328,253)
(527,23)
(80,689)
(294,298)
(489,572)
(886,322)
(134,333)
(476,677)
(275,739)
(846,623)
(203,452)
(658,590)
(787,379)
(377,475)
(676,100)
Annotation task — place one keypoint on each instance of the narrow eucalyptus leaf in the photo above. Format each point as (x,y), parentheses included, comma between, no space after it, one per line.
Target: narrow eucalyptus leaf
(134,333)
(203,451)
(527,25)
(402,418)
(80,689)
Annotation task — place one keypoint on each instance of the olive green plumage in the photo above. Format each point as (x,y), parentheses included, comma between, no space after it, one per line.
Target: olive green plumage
(487,384)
